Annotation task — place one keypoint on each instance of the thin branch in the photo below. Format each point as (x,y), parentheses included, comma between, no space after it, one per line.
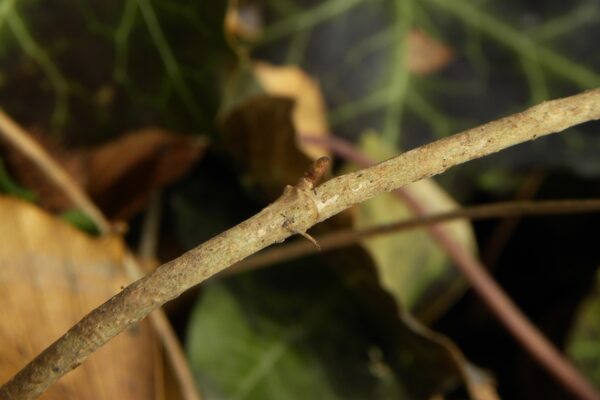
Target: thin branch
(150,228)
(23,142)
(17,136)
(307,19)
(296,210)
(347,237)
(167,56)
(38,54)
(121,37)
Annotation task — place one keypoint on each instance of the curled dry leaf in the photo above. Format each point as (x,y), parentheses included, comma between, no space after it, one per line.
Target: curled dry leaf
(120,175)
(259,136)
(124,173)
(309,114)
(261,130)
(29,175)
(51,276)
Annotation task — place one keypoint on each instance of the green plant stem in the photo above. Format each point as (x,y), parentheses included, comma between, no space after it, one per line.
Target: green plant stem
(168,58)
(308,19)
(55,77)
(398,85)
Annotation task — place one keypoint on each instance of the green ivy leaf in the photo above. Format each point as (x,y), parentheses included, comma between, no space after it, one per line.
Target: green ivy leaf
(255,337)
(80,220)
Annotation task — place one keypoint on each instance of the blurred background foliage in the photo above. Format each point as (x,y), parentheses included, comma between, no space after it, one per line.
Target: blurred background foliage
(386,75)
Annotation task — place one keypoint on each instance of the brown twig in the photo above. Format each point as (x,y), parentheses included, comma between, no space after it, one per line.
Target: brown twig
(347,237)
(297,209)
(507,312)
(17,136)
(29,147)
(150,228)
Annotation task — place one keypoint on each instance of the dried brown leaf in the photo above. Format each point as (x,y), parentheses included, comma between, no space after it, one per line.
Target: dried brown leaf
(29,175)
(309,112)
(119,176)
(51,276)
(123,174)
(261,131)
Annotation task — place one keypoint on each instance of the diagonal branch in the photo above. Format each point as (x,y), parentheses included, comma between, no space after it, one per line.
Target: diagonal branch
(296,210)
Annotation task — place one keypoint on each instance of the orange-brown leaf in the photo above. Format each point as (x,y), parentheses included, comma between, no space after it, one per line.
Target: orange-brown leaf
(119,176)
(427,55)
(51,276)
(124,173)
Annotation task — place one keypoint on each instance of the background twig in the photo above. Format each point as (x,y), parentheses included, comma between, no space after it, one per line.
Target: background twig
(346,237)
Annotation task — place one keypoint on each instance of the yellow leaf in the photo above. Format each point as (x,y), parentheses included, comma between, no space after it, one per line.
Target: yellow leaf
(51,275)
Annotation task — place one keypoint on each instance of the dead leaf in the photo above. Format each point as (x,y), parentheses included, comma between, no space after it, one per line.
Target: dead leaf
(51,276)
(120,175)
(30,176)
(123,174)
(261,129)
(260,137)
(427,55)
(309,112)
